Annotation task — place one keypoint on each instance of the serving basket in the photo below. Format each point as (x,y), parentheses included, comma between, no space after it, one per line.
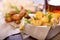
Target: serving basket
(38,32)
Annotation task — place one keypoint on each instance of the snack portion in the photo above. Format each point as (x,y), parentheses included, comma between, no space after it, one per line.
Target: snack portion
(16,15)
(45,19)
(8,18)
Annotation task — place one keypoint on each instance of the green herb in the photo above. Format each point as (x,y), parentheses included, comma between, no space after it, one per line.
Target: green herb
(14,7)
(7,15)
(27,21)
(29,11)
(49,16)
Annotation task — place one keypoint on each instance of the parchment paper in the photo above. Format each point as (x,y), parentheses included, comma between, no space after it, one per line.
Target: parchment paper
(38,32)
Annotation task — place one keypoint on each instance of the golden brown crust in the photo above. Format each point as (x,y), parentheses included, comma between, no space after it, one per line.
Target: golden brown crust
(12,13)
(22,13)
(8,19)
(16,17)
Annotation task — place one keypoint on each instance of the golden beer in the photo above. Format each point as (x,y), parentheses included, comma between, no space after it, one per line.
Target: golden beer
(53,6)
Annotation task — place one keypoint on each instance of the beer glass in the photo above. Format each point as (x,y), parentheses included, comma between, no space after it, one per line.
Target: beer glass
(53,6)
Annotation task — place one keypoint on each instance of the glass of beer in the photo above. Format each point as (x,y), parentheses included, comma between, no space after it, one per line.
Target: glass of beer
(53,6)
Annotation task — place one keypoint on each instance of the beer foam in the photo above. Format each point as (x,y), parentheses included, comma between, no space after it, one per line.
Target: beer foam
(54,2)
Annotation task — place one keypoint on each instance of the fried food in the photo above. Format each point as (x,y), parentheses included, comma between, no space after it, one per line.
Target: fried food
(44,24)
(36,22)
(12,13)
(22,28)
(54,19)
(45,20)
(55,16)
(8,19)
(39,15)
(22,13)
(16,17)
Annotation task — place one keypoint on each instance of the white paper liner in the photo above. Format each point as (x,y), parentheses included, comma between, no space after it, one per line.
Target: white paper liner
(36,32)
